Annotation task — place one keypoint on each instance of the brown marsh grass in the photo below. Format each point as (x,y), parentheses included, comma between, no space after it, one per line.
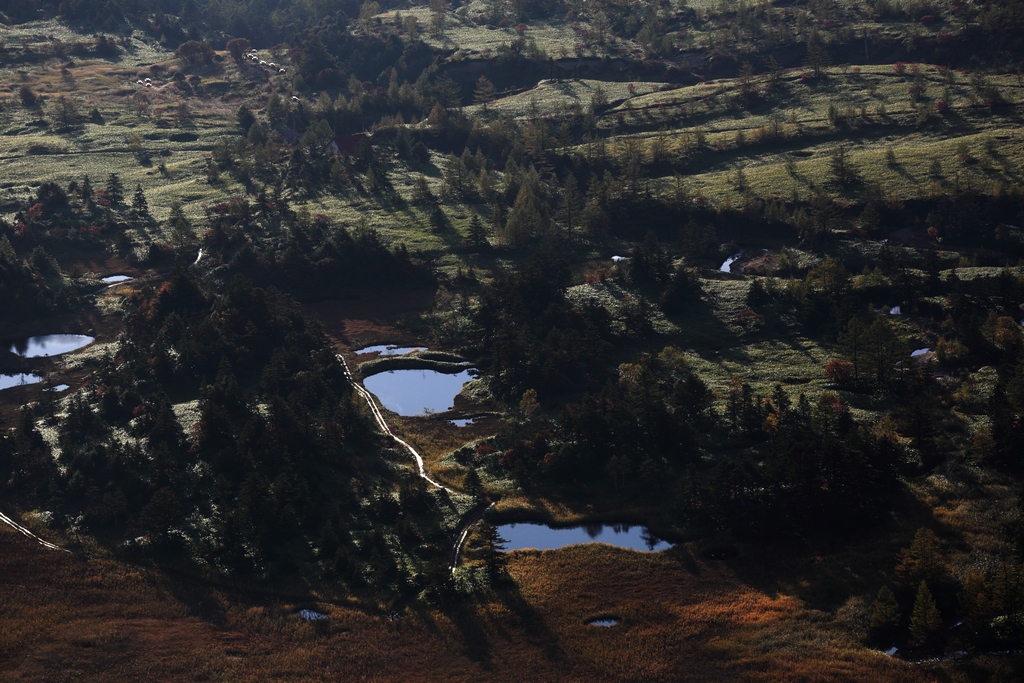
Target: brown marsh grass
(63,617)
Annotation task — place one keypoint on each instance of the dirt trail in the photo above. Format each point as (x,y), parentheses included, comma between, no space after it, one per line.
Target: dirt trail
(469,519)
(25,532)
(461,530)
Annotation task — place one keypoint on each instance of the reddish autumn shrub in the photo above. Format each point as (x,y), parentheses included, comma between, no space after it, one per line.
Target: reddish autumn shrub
(521,29)
(899,67)
(942,106)
(839,372)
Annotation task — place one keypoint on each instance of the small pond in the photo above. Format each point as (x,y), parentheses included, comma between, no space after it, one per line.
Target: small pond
(386,350)
(543,537)
(311,615)
(59,388)
(50,345)
(919,352)
(462,421)
(114,279)
(8,381)
(727,265)
(416,392)
(603,621)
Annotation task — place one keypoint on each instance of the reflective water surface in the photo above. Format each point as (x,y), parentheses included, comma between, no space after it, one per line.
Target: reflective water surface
(544,537)
(50,345)
(386,350)
(416,392)
(8,381)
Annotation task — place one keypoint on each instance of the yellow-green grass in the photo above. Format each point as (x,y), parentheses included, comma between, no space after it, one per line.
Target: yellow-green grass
(980,146)
(557,95)
(471,41)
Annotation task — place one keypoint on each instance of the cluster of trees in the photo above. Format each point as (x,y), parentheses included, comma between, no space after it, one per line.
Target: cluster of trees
(309,257)
(927,608)
(278,472)
(31,286)
(79,215)
(532,337)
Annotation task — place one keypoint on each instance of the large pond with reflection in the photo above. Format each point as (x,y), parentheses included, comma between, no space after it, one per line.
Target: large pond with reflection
(21,379)
(417,392)
(50,345)
(544,537)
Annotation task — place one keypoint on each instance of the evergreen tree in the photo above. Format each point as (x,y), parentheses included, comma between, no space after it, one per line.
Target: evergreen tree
(472,484)
(477,234)
(528,217)
(484,91)
(571,206)
(182,234)
(925,619)
(885,616)
(115,190)
(492,550)
(86,189)
(976,608)
(421,193)
(245,118)
(140,207)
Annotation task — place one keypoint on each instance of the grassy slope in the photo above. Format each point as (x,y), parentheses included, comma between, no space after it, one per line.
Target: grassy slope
(681,619)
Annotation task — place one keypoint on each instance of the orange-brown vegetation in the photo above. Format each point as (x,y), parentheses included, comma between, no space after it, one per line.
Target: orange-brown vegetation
(63,617)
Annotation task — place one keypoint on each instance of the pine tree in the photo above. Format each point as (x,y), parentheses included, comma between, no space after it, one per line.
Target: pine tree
(7,253)
(472,483)
(477,235)
(528,217)
(571,206)
(484,91)
(182,234)
(925,619)
(86,190)
(976,608)
(140,207)
(421,193)
(115,190)
(885,616)
(492,547)
(245,118)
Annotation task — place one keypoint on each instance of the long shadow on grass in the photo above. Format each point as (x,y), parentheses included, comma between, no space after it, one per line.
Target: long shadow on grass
(824,571)
(701,330)
(532,623)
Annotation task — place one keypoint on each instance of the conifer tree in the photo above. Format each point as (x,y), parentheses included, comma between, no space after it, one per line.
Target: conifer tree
(492,547)
(115,190)
(484,91)
(86,192)
(182,234)
(571,206)
(472,483)
(885,616)
(140,207)
(477,235)
(925,619)
(529,214)
(976,607)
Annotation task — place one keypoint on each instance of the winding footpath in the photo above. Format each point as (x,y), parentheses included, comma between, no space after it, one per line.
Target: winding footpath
(25,532)
(461,530)
(469,519)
